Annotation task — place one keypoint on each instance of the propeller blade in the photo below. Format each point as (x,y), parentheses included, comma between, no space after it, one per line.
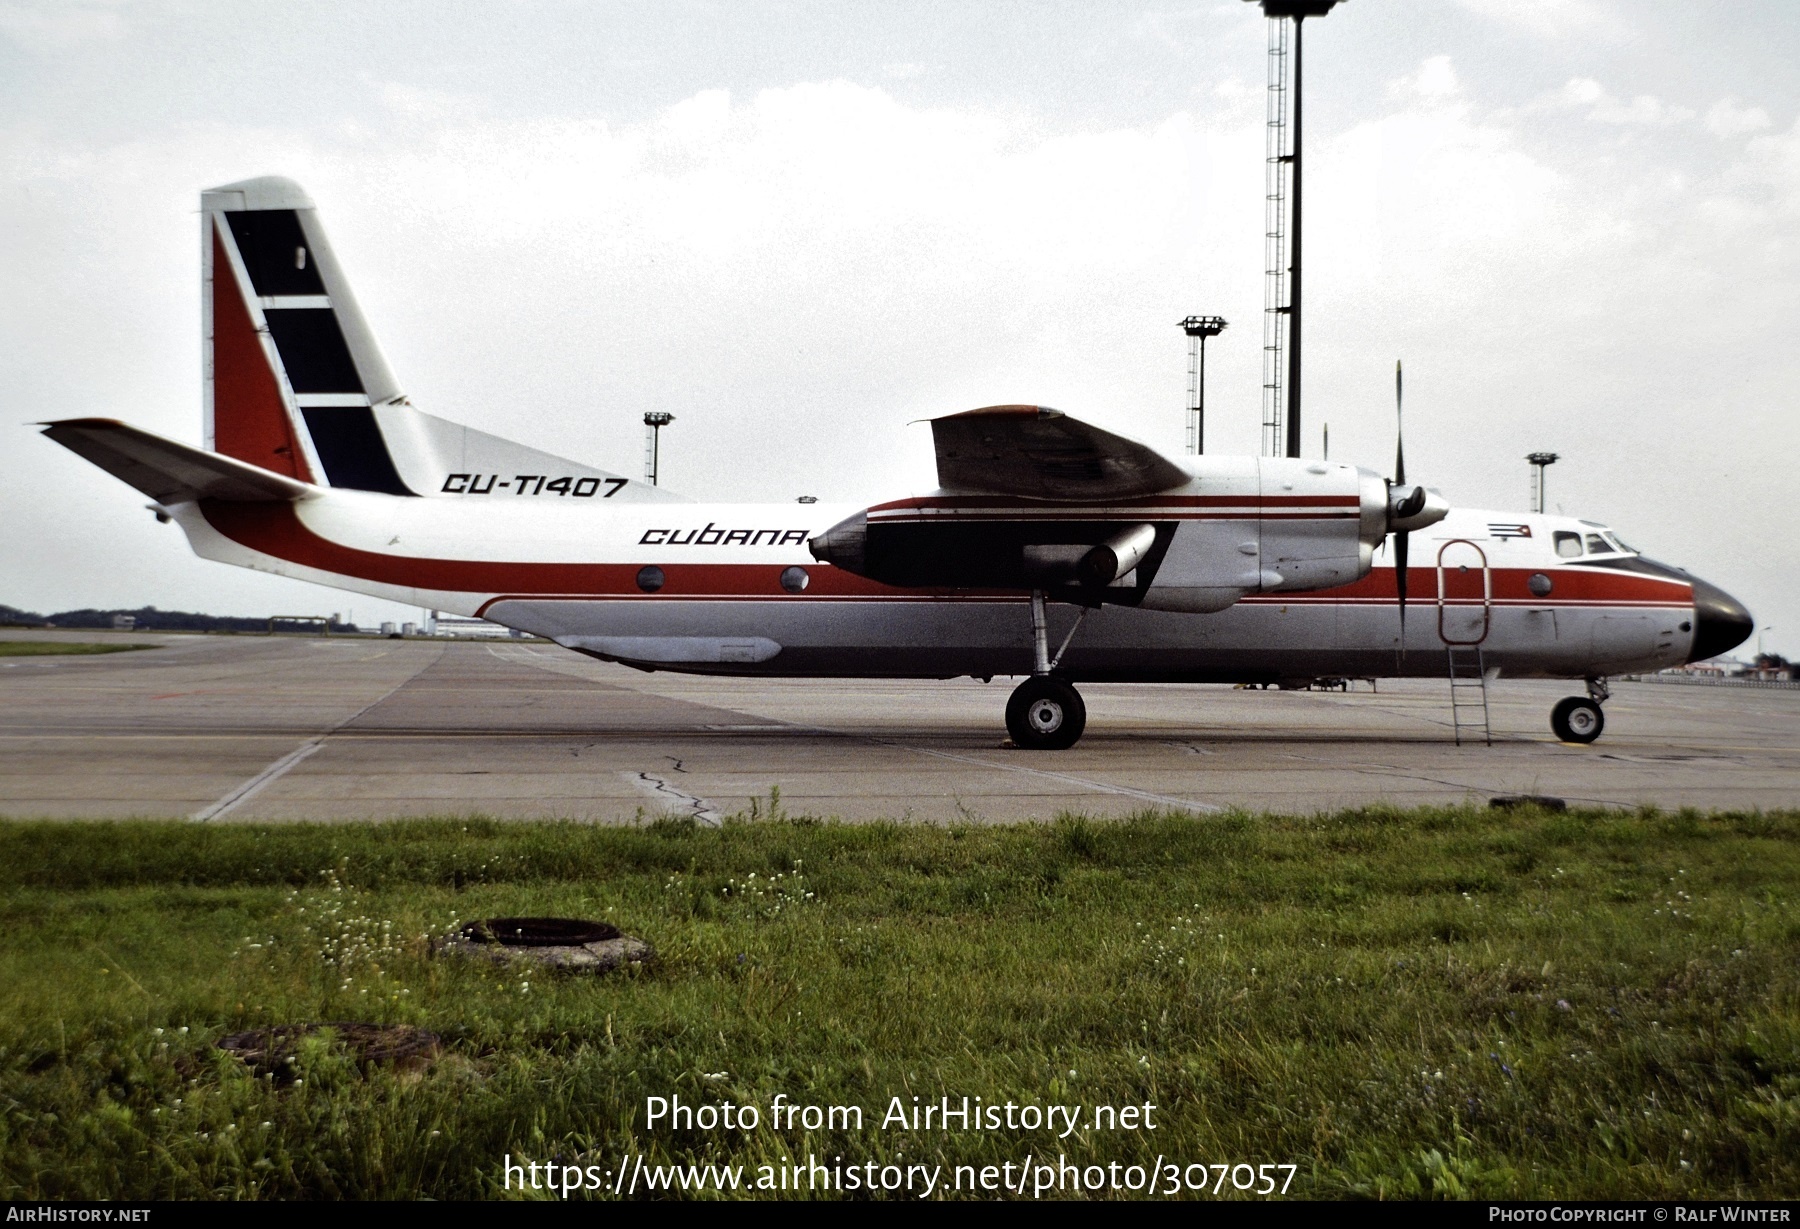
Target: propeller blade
(1399,442)
(1402,539)
(1401,543)
(1399,582)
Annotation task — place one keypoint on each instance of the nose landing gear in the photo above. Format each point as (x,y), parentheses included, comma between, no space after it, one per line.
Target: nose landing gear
(1579,719)
(1045,713)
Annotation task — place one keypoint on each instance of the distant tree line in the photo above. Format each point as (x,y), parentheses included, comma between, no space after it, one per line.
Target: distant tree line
(148,618)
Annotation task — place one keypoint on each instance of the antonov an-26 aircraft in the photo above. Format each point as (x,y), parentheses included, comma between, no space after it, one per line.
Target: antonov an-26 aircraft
(1052,549)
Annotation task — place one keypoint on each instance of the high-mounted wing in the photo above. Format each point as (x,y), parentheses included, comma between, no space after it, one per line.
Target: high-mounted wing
(1034,452)
(166,471)
(1030,499)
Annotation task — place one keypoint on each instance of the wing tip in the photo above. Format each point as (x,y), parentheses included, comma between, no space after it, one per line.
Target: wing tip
(75,424)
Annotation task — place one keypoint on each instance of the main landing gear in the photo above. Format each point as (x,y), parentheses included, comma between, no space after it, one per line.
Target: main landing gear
(1578,719)
(1045,713)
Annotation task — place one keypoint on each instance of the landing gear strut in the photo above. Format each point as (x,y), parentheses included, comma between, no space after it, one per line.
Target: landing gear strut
(1045,713)
(1579,719)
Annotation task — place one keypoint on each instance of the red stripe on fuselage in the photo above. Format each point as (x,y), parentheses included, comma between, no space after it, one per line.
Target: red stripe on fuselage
(1510,587)
(979,502)
(275,529)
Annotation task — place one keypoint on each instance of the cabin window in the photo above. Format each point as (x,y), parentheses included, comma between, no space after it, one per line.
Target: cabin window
(1568,545)
(1598,545)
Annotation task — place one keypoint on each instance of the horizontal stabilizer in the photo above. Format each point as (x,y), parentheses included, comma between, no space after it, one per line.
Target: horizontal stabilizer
(1039,453)
(168,472)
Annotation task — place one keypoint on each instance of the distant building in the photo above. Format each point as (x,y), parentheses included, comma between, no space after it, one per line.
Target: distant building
(124,622)
(1772,666)
(1768,668)
(457,626)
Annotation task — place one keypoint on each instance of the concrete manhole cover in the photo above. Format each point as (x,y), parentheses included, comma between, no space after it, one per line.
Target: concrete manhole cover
(574,944)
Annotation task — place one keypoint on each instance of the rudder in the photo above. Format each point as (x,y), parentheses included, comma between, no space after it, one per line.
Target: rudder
(292,370)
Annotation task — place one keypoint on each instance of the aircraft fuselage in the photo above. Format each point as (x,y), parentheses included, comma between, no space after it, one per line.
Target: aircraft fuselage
(734,589)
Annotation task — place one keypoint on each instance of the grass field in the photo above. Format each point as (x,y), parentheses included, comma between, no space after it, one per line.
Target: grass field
(1461,1003)
(55,648)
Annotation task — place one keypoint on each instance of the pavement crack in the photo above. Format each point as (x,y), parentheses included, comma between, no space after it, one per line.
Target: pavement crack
(660,789)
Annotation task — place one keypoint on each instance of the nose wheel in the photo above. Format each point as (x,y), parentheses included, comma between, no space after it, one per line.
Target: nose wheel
(1045,714)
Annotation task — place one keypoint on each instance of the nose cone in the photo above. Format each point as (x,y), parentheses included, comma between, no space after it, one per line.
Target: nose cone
(845,544)
(1721,622)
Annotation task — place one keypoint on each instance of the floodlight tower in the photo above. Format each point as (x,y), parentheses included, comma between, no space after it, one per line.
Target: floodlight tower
(1540,461)
(1198,329)
(1284,168)
(655,421)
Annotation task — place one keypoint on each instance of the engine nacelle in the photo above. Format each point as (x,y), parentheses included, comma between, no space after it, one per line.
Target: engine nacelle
(1242,525)
(1280,525)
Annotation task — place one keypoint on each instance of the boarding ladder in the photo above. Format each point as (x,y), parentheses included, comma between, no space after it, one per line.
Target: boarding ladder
(1468,692)
(1465,602)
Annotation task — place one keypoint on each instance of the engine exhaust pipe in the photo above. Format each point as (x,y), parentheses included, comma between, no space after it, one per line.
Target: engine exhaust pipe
(1115,556)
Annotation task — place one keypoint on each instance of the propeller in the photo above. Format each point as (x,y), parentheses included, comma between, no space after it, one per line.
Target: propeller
(1402,538)
(1409,507)
(1401,503)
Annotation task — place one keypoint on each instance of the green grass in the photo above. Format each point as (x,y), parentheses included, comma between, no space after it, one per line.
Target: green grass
(55,648)
(1463,1003)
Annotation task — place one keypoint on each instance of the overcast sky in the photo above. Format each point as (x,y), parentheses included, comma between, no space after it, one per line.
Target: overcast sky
(800,227)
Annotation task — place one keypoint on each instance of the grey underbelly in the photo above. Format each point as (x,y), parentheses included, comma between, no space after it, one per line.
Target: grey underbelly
(1253,641)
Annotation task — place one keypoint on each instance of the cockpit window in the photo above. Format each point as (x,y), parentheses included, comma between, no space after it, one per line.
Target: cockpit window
(1619,542)
(1568,545)
(1598,545)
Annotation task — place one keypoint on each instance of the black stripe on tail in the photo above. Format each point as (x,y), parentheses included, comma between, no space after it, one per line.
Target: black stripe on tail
(314,356)
(351,449)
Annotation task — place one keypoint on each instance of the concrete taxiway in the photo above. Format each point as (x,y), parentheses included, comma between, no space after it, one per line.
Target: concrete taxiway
(227,728)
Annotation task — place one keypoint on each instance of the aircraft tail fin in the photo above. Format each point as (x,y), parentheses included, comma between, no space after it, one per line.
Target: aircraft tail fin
(296,385)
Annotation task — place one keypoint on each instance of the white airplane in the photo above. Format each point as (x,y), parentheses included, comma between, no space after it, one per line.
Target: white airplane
(1053,549)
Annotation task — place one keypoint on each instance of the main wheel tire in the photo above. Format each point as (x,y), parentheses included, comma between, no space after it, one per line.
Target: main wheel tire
(1045,714)
(1577,720)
